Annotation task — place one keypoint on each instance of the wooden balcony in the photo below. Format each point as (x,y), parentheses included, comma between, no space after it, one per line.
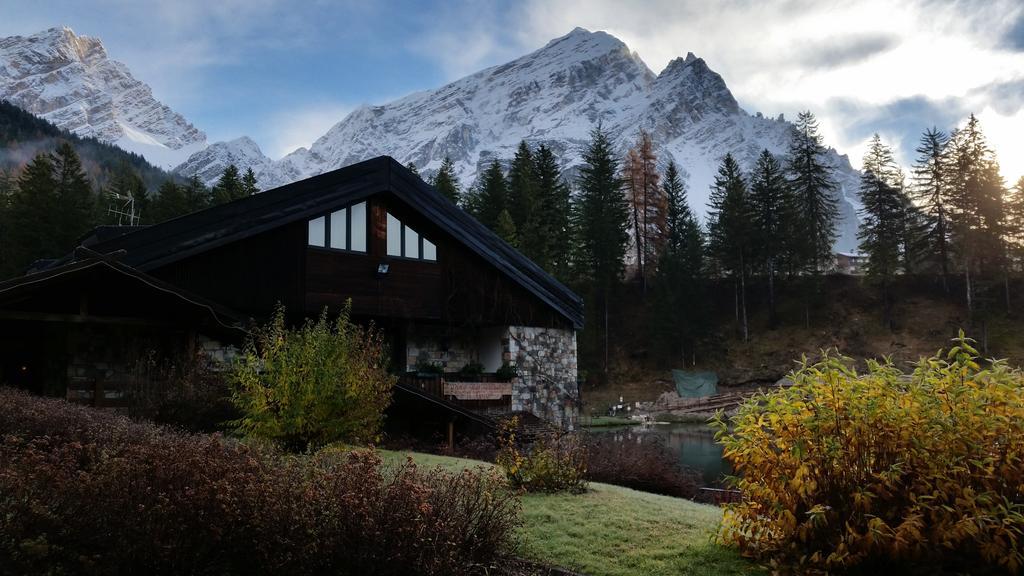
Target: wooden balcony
(484,393)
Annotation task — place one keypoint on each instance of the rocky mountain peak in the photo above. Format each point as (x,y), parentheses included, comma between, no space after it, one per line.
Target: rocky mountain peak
(69,80)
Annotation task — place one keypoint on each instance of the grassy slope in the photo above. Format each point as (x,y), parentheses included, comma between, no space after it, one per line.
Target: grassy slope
(613,531)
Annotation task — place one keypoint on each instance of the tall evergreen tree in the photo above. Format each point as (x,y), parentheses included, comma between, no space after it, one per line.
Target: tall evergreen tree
(975,205)
(249,183)
(813,189)
(229,186)
(74,197)
(1015,222)
(679,307)
(447,182)
(491,196)
(506,228)
(33,232)
(524,203)
(931,195)
(601,218)
(197,195)
(170,202)
(730,231)
(553,214)
(881,230)
(770,202)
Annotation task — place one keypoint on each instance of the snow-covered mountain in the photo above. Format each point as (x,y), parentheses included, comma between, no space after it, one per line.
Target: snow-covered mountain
(69,80)
(555,96)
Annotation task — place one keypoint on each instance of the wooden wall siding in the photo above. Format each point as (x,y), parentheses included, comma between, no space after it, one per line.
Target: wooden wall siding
(459,288)
(250,275)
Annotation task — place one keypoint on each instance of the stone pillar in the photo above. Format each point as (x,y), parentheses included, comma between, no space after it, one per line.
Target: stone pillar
(546,365)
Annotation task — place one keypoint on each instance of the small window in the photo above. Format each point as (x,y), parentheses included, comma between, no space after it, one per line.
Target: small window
(405,242)
(394,236)
(412,243)
(316,231)
(358,221)
(339,229)
(343,229)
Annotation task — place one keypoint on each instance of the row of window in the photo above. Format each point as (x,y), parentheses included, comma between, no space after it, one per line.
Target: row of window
(346,229)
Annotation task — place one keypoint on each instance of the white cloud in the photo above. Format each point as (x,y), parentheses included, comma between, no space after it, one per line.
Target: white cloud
(300,127)
(795,54)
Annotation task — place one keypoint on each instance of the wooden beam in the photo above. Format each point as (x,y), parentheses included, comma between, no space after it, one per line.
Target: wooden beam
(80,319)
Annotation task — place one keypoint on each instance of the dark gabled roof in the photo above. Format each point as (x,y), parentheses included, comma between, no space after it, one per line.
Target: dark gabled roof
(160,244)
(15,288)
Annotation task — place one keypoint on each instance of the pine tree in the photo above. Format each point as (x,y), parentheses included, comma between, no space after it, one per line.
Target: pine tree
(249,184)
(601,219)
(1015,222)
(679,307)
(769,200)
(881,231)
(446,181)
(197,195)
(506,228)
(491,196)
(931,194)
(7,187)
(170,202)
(813,187)
(74,197)
(32,209)
(730,230)
(553,214)
(412,168)
(229,186)
(975,205)
(524,204)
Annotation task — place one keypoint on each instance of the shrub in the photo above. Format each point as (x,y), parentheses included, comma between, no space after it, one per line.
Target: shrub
(320,383)
(553,462)
(83,492)
(189,392)
(648,466)
(883,468)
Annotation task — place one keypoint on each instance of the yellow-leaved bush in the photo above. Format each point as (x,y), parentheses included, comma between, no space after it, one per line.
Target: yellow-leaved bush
(554,461)
(305,387)
(882,468)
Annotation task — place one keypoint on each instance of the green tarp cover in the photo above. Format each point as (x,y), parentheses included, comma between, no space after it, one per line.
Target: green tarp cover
(695,384)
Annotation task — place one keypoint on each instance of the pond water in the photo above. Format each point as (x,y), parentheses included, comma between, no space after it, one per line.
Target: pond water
(693,443)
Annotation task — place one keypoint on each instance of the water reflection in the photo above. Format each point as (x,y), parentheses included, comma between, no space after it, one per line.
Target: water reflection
(694,443)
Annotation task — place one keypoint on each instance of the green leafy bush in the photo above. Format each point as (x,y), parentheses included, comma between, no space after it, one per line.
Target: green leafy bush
(307,387)
(89,492)
(552,462)
(883,468)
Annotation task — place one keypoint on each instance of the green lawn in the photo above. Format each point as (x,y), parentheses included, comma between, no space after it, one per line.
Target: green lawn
(613,531)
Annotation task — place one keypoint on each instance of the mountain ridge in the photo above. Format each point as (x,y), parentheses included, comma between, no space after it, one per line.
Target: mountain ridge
(555,96)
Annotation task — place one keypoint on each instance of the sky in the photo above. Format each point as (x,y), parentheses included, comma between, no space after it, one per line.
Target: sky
(283,72)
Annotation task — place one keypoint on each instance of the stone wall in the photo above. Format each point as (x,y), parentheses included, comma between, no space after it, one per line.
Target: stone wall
(437,345)
(546,364)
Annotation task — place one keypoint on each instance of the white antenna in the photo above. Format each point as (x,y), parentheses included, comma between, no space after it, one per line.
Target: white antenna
(123,206)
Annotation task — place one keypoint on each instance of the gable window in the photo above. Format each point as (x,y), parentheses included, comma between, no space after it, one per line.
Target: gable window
(405,242)
(343,229)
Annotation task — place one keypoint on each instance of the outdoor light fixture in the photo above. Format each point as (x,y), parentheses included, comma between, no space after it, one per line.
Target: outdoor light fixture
(382,269)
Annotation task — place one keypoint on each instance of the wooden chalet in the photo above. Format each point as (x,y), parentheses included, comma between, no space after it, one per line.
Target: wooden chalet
(474,326)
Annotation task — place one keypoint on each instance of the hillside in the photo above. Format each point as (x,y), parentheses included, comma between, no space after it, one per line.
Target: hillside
(847,316)
(23,135)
